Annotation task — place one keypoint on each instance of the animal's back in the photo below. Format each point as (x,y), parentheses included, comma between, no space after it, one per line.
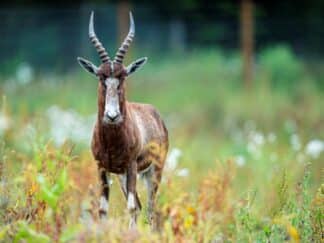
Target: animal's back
(153,135)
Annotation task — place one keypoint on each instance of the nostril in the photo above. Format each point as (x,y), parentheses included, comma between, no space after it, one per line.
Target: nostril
(112,118)
(112,115)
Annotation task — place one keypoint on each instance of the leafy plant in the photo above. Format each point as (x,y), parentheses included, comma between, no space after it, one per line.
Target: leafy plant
(282,67)
(51,193)
(28,234)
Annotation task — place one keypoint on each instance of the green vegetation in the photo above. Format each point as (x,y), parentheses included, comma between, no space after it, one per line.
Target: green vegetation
(246,165)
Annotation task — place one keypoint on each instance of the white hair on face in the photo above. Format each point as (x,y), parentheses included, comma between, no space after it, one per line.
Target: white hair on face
(112,67)
(112,99)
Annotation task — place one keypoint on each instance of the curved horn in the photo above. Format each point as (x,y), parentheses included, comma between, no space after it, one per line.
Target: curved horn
(129,38)
(99,47)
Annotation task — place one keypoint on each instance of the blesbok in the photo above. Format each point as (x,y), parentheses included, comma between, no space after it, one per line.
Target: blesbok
(128,138)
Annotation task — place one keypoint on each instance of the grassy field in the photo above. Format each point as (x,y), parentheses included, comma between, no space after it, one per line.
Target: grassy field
(243,165)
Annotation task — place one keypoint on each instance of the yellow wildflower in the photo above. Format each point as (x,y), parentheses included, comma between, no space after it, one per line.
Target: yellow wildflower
(188,222)
(191,210)
(293,233)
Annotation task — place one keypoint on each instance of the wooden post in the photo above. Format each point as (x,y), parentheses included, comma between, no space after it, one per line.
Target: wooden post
(247,41)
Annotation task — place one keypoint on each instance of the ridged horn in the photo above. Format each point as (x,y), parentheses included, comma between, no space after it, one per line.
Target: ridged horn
(128,40)
(97,44)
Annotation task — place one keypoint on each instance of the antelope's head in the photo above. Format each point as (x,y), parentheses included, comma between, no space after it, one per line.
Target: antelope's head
(111,74)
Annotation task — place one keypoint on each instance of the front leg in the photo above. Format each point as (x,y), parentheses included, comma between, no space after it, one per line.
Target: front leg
(104,197)
(122,181)
(131,192)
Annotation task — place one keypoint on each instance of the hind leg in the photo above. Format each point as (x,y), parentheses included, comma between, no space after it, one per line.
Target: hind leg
(152,180)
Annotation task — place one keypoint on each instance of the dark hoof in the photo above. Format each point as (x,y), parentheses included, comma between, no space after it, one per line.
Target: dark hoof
(102,213)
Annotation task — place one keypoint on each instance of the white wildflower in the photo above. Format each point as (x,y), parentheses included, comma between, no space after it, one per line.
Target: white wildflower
(173,159)
(255,143)
(69,125)
(240,160)
(253,149)
(24,73)
(184,172)
(314,148)
(4,123)
(258,138)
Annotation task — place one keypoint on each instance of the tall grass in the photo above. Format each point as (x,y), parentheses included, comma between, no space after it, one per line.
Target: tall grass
(247,170)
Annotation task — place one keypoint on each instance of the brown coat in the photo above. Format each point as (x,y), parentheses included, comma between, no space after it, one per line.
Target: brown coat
(141,136)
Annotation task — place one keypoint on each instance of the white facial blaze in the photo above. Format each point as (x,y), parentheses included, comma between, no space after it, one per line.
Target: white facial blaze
(112,108)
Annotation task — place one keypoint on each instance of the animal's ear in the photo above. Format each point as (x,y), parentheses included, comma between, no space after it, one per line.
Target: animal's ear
(131,68)
(87,65)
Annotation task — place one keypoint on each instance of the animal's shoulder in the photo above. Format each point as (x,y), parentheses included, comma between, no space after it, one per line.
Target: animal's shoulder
(145,110)
(149,121)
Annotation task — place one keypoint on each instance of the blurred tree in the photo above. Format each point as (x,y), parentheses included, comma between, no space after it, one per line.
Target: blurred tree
(247,42)
(51,33)
(123,8)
